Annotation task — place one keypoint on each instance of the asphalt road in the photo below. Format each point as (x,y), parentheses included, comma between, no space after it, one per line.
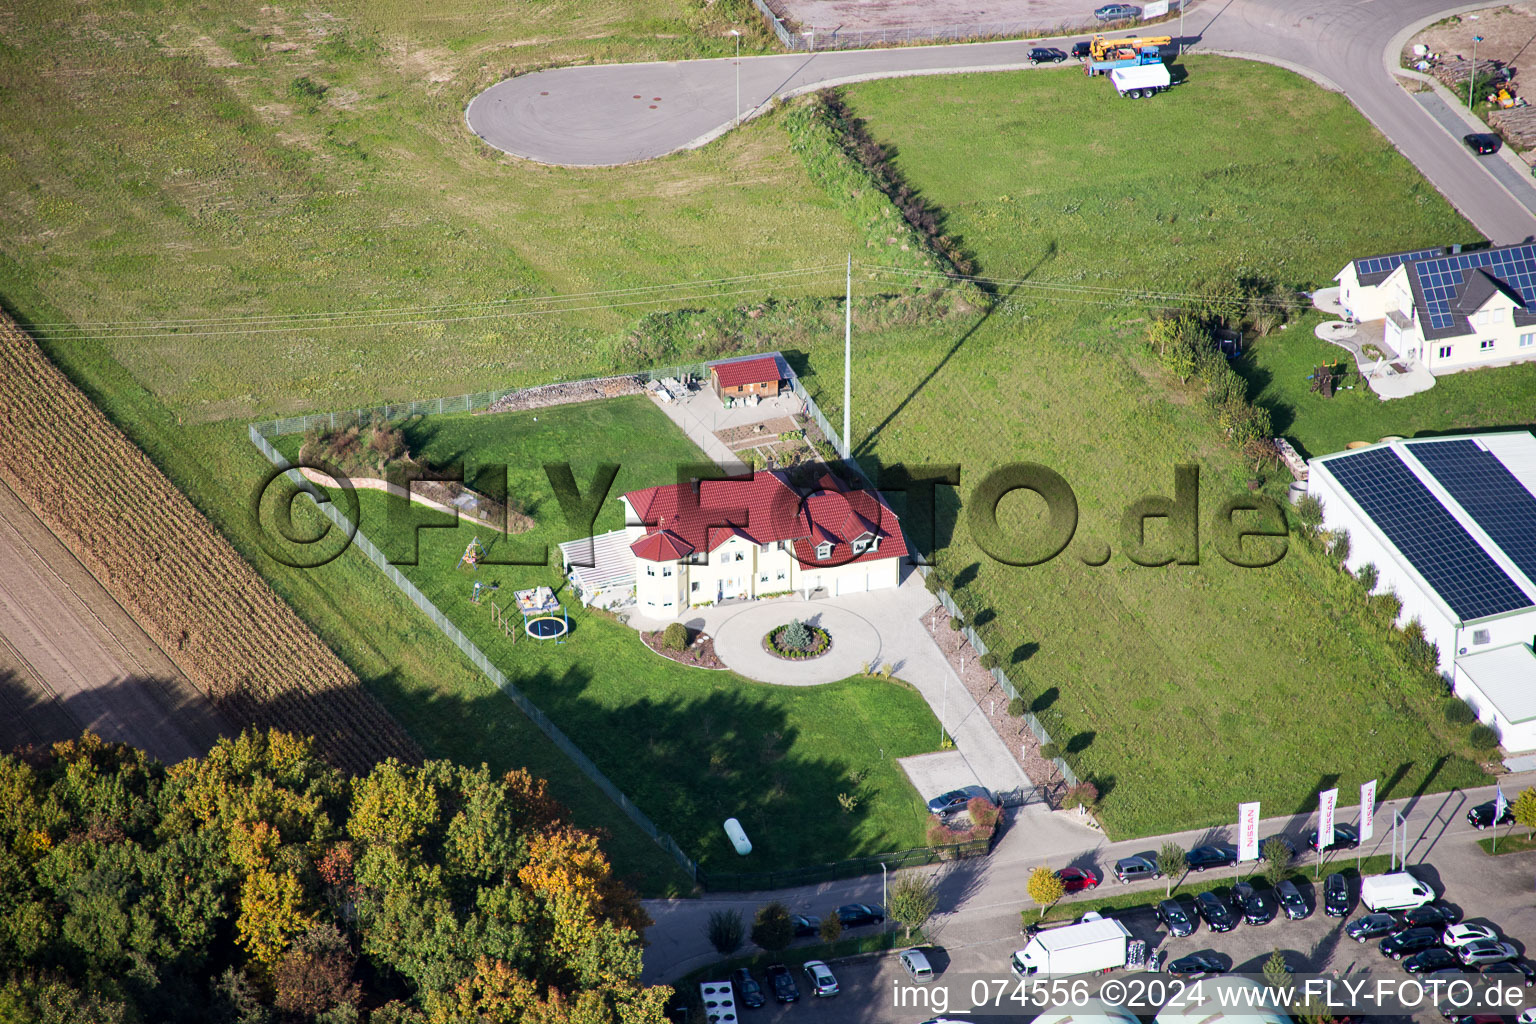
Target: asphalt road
(980,900)
(613,114)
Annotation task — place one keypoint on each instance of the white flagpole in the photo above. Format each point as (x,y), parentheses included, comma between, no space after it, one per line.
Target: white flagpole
(848,365)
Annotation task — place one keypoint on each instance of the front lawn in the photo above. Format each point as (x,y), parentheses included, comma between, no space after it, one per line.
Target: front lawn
(690,746)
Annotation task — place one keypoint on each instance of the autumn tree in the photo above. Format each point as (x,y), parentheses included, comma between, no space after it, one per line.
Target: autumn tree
(1524,810)
(1045,887)
(913,900)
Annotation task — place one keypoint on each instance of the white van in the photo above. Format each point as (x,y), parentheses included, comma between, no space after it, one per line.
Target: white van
(1397,891)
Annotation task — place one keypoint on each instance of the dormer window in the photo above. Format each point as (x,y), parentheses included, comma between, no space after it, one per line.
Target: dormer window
(868,542)
(824,550)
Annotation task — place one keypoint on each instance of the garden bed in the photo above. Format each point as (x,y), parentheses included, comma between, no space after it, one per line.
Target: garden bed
(820,643)
(700,652)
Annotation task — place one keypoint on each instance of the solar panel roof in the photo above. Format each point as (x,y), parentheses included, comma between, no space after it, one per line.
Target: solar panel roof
(1490,493)
(1435,544)
(1440,279)
(1387,264)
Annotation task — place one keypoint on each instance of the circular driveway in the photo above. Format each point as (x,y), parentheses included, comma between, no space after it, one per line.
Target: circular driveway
(739,643)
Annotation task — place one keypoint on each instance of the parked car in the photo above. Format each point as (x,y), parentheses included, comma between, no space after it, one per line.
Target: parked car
(1217,915)
(1077,879)
(1134,869)
(1430,915)
(915,961)
(957,800)
(823,983)
(1252,904)
(783,984)
(1179,919)
(1344,838)
(1481,816)
(805,926)
(1459,935)
(1519,972)
(1433,959)
(1336,896)
(1196,965)
(1363,929)
(1482,143)
(1413,940)
(855,914)
(1486,951)
(1046,55)
(747,989)
(1292,901)
(1202,857)
(1117,12)
(1081,51)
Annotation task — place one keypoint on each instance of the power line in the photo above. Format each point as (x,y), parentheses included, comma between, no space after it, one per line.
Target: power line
(389,315)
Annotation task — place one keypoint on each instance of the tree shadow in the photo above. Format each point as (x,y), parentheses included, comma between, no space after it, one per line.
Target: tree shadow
(1024,652)
(1081,742)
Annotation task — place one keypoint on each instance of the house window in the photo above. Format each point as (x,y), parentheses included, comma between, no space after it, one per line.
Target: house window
(764,548)
(741,556)
(780,545)
(859,546)
(781,574)
(1527,340)
(1445,351)
(1485,346)
(823,550)
(1479,636)
(694,587)
(650,570)
(763,578)
(1483,317)
(666,570)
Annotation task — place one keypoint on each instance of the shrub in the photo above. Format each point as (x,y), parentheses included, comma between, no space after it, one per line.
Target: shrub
(1421,652)
(984,813)
(1459,712)
(831,927)
(1050,751)
(1367,575)
(956,623)
(772,928)
(1309,513)
(1484,738)
(796,636)
(1016,707)
(725,931)
(849,802)
(991,660)
(675,637)
(1340,548)
(1084,794)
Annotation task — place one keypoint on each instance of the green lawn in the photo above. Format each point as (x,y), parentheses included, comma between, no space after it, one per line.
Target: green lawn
(692,747)
(1277,368)
(1186,689)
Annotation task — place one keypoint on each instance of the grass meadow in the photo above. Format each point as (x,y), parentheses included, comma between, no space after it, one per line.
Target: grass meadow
(172,161)
(690,746)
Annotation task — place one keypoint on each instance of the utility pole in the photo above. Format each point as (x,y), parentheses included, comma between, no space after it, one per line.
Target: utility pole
(737,34)
(1472,78)
(883,898)
(848,365)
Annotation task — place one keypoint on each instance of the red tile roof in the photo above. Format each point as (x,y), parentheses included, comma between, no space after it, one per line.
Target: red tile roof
(764,508)
(747,371)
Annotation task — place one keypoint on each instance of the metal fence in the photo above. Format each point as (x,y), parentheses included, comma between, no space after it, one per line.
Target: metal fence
(472,651)
(472,402)
(822,424)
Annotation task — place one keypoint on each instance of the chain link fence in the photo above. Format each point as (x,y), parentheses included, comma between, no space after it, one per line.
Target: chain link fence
(472,651)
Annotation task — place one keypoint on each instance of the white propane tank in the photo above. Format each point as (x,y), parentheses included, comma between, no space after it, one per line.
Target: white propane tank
(737,836)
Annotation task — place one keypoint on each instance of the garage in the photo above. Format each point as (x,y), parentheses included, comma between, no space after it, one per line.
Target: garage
(853,583)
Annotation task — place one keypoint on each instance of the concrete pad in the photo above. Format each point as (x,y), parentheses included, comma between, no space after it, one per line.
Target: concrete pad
(739,642)
(934,774)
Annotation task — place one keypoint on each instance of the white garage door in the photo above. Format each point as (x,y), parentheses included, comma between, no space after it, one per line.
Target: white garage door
(855,584)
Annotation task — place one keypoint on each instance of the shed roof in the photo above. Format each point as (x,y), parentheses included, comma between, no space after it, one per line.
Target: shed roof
(1507,677)
(746,371)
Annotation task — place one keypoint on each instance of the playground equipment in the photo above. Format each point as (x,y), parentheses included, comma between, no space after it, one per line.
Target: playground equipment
(486,588)
(473,553)
(544,618)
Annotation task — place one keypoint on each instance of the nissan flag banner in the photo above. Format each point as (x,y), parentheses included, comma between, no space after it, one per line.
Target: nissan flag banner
(1248,831)
(1156,9)
(1367,810)
(1326,801)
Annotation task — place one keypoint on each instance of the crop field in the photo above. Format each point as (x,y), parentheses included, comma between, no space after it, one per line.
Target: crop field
(775,757)
(160,558)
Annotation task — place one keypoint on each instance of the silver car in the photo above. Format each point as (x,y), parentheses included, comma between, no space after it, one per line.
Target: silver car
(916,965)
(1117,12)
(1486,951)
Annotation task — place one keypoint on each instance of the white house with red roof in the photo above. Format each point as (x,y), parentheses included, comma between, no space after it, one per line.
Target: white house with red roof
(757,535)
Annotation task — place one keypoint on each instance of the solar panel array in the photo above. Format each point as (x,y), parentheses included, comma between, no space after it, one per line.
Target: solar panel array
(1440,279)
(1434,543)
(1385,264)
(1489,492)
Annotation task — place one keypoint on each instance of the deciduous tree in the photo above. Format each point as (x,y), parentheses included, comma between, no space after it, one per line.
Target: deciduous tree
(771,927)
(1045,887)
(913,900)
(1171,861)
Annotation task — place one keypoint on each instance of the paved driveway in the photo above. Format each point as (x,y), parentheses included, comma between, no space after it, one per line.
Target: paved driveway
(739,636)
(615,114)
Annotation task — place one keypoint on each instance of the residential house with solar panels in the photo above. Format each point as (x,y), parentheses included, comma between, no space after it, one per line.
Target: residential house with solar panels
(1445,309)
(750,536)
(1450,524)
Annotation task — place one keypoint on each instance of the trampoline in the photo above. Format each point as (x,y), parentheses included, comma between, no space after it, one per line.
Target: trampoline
(546,627)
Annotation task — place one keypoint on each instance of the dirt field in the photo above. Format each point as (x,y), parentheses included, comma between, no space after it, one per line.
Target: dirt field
(71,658)
(980,17)
(1508,34)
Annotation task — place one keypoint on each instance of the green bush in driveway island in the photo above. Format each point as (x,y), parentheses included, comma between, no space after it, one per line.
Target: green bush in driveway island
(796,641)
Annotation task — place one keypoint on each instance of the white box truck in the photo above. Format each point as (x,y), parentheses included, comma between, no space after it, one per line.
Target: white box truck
(1397,891)
(1093,944)
(1142,81)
